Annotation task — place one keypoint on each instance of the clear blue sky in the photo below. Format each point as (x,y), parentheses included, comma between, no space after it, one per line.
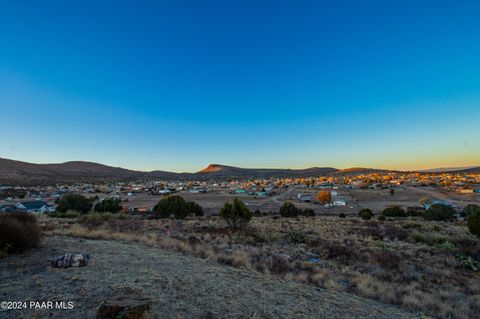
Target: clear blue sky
(175,85)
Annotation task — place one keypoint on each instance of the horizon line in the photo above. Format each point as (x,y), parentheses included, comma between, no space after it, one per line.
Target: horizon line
(247,167)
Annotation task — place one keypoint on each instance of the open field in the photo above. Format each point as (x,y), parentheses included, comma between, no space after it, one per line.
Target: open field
(418,267)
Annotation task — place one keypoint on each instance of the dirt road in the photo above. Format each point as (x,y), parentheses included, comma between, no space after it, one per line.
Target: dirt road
(179,286)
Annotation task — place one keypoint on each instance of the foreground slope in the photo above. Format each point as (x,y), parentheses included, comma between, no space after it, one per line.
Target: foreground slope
(179,286)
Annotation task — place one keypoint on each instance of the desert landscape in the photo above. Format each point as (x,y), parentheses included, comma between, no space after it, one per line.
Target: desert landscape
(362,246)
(239,159)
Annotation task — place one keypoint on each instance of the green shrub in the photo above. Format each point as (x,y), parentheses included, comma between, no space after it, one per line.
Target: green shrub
(394,211)
(296,238)
(176,206)
(365,213)
(468,262)
(111,205)
(427,238)
(446,245)
(75,202)
(288,209)
(237,215)
(439,212)
(471,209)
(18,232)
(342,215)
(195,209)
(381,218)
(473,223)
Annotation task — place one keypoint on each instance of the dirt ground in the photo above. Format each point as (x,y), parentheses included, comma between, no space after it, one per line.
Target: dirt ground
(180,286)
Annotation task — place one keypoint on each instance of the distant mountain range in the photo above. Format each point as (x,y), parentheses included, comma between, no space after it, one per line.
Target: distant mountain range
(23,173)
(472,169)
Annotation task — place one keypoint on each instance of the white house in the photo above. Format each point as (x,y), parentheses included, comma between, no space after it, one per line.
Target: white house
(36,206)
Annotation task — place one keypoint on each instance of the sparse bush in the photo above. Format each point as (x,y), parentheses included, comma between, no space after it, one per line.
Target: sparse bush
(333,250)
(381,218)
(468,262)
(288,209)
(278,265)
(237,215)
(411,225)
(427,238)
(446,245)
(296,237)
(94,220)
(394,211)
(75,202)
(111,205)
(308,212)
(394,232)
(176,206)
(365,213)
(473,222)
(439,212)
(18,232)
(388,260)
(342,215)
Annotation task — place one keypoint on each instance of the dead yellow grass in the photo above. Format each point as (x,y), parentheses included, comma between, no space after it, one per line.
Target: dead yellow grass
(355,256)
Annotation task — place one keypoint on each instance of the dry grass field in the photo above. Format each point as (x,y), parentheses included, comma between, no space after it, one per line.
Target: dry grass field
(418,266)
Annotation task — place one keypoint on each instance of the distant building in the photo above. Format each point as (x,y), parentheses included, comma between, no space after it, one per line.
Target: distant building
(36,206)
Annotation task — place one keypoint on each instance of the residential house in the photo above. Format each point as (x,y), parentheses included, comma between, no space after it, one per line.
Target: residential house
(36,206)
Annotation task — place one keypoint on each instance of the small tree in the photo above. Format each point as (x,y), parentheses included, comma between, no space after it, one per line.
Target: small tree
(439,212)
(75,202)
(473,222)
(172,205)
(365,213)
(324,197)
(111,205)
(288,209)
(237,215)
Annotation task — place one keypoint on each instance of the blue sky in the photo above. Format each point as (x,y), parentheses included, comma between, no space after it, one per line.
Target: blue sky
(176,85)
